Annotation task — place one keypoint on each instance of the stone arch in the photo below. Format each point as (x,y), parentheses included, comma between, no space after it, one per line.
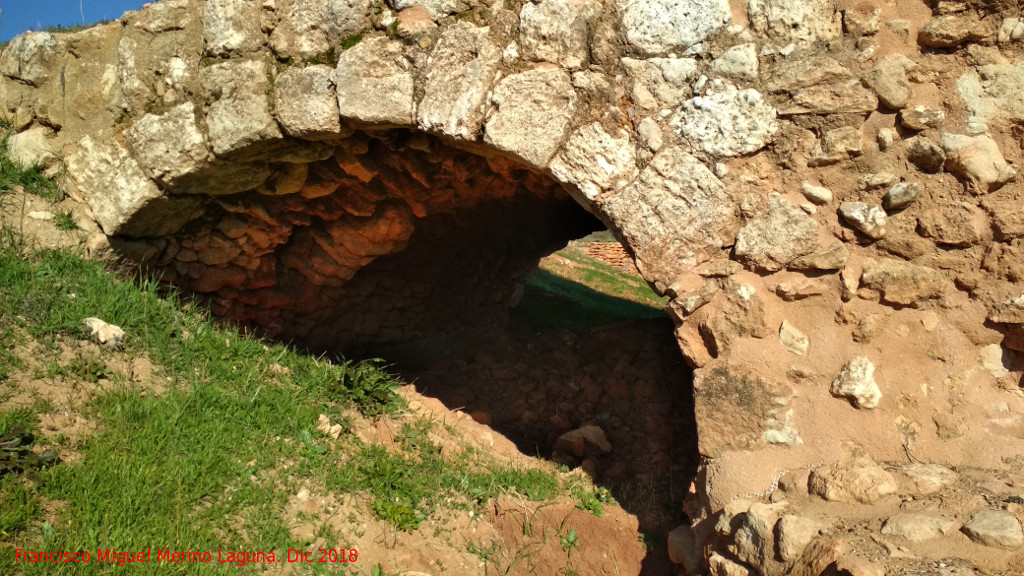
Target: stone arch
(717,140)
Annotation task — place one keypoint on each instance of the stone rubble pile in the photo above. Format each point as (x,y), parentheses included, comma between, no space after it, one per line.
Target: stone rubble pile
(826,191)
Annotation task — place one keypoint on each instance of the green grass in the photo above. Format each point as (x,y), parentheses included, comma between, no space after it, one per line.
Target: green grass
(551,302)
(30,178)
(170,470)
(65,220)
(408,486)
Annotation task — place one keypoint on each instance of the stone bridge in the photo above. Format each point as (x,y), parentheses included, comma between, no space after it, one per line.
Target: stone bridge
(825,191)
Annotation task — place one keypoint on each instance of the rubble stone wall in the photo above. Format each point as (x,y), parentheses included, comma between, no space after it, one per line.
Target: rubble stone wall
(824,188)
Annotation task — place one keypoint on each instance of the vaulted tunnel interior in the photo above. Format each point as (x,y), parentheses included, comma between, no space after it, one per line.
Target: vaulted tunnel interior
(402,246)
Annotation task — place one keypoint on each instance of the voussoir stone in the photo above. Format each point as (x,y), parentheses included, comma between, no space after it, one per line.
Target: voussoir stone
(169,146)
(232,26)
(122,199)
(533,113)
(306,104)
(461,70)
(677,213)
(239,115)
(594,161)
(375,84)
(558,31)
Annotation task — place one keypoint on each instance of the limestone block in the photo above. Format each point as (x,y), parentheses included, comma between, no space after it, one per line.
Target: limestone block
(438,8)
(773,240)
(960,225)
(888,79)
(232,27)
(802,70)
(532,114)
(856,382)
(835,98)
(727,121)
(676,214)
(558,31)
(993,91)
(918,526)
(979,160)
(660,82)
(460,73)
(739,62)
(660,26)
(239,115)
(344,18)
(798,21)
(867,219)
(857,479)
(950,31)
(754,538)
(734,406)
(595,161)
(30,58)
(34,147)
(375,84)
(996,528)
(900,196)
(306,104)
(169,146)
(925,479)
(298,34)
(163,16)
(122,199)
(922,117)
(833,258)
(794,534)
(901,282)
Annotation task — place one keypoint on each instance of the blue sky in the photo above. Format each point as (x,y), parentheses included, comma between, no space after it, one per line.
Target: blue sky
(17,16)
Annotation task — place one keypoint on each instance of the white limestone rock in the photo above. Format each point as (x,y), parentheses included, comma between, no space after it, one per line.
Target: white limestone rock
(239,114)
(532,114)
(820,195)
(118,192)
(343,18)
(901,282)
(888,78)
(299,33)
(993,91)
(594,161)
(995,528)
(856,382)
(925,479)
(796,21)
(375,84)
(739,62)
(306,104)
(776,238)
(661,83)
(922,117)
(727,121)
(35,147)
(793,338)
(918,526)
(677,214)
(438,8)
(169,146)
(558,31)
(867,219)
(232,27)
(460,72)
(795,533)
(109,335)
(28,57)
(660,26)
(855,479)
(979,160)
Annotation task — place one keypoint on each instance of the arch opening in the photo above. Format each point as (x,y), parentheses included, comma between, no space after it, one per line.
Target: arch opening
(399,245)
